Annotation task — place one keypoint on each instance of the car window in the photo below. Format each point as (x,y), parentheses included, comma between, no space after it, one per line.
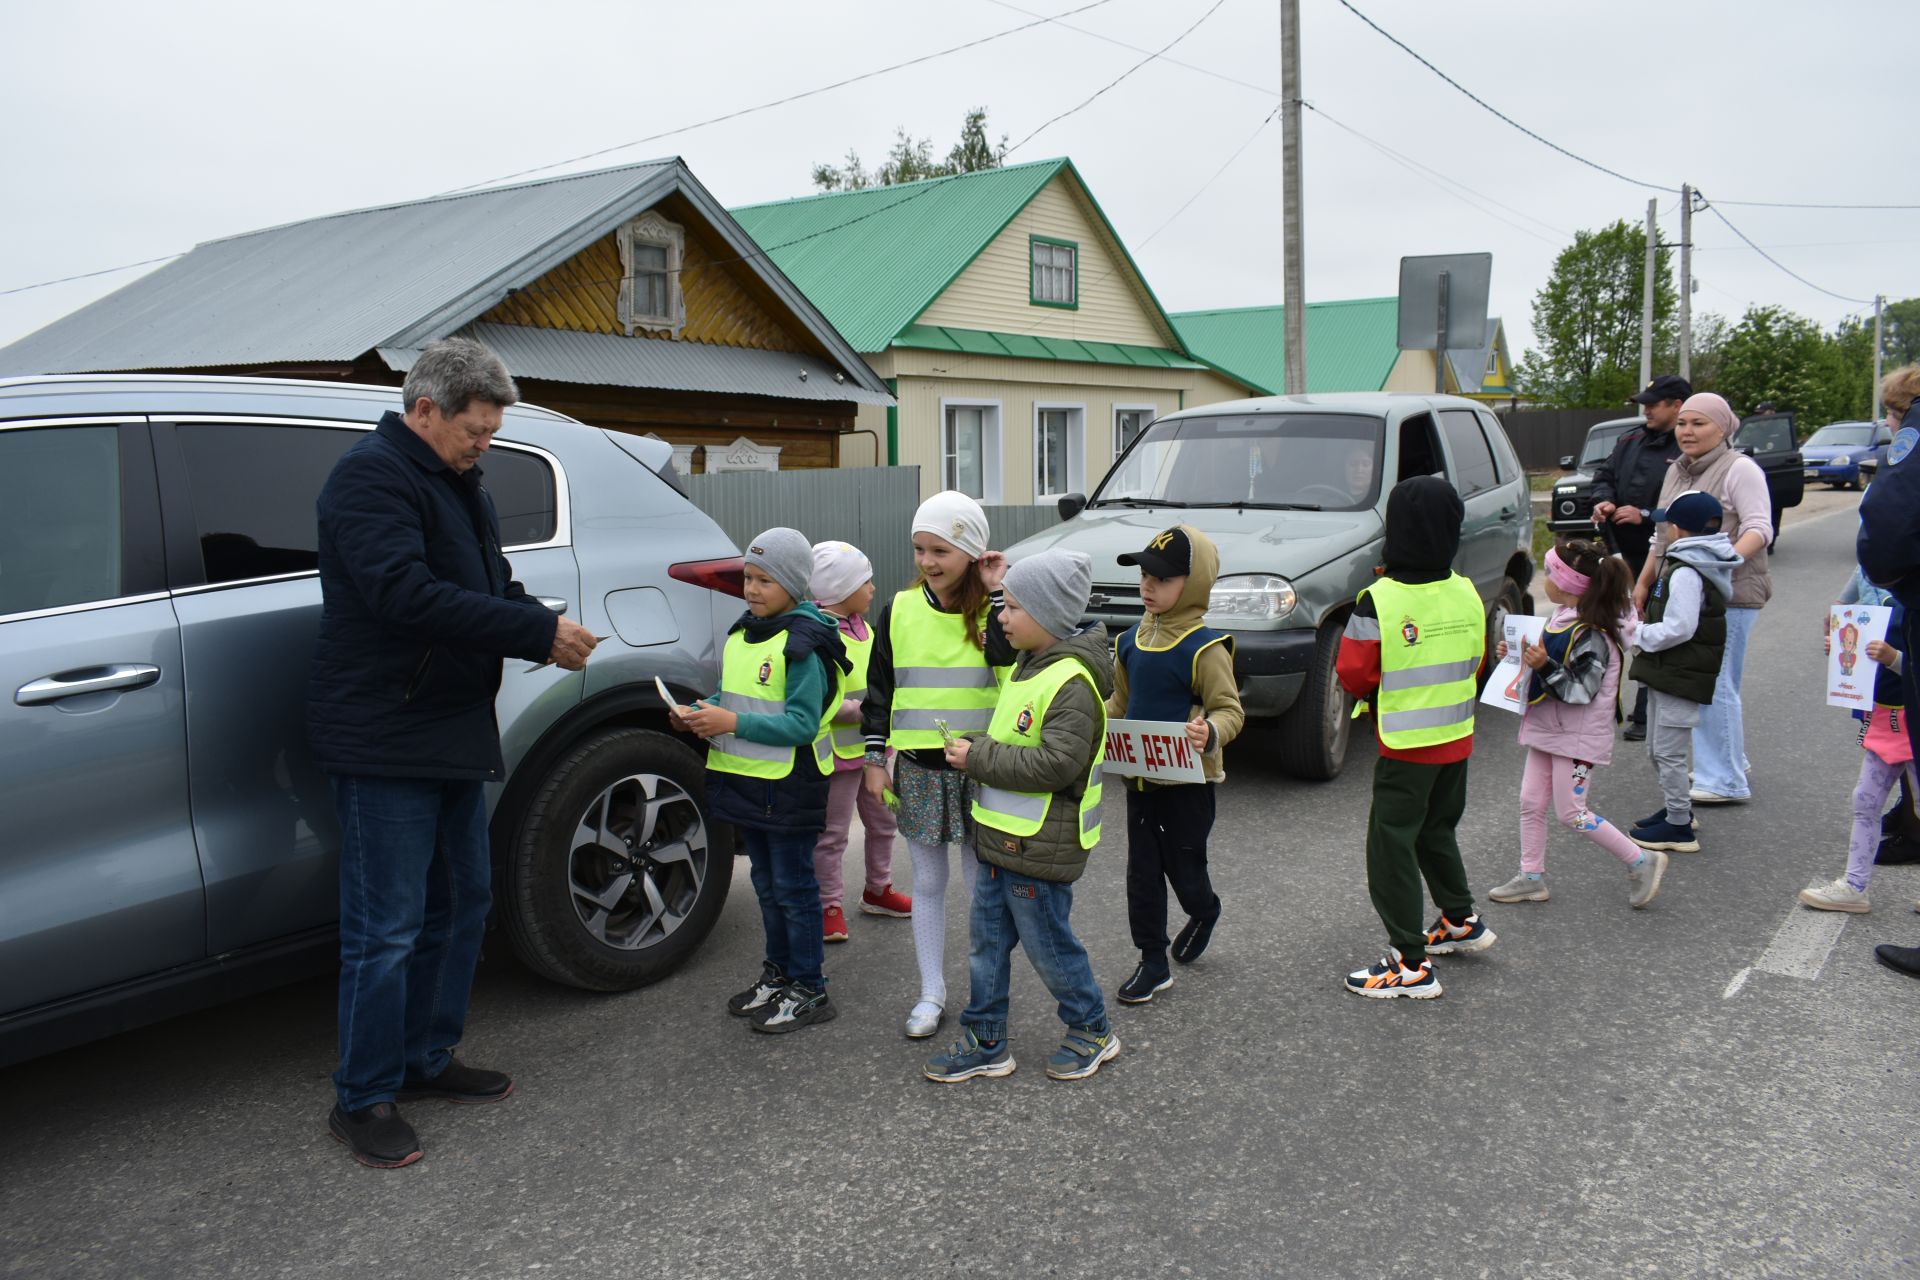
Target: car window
(1505,465)
(523,493)
(254,488)
(1600,446)
(1842,434)
(1471,456)
(59,517)
(1766,435)
(1420,449)
(1327,462)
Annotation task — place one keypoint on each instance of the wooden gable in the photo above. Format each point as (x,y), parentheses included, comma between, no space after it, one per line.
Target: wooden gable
(995,291)
(726,305)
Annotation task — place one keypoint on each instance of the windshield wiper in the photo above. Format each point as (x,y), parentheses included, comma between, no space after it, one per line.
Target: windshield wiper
(1140,502)
(1263,506)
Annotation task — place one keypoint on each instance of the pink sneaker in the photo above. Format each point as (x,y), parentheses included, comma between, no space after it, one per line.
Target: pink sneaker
(887,902)
(833,925)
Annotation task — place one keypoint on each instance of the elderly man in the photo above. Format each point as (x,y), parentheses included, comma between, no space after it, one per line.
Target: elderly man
(1626,488)
(418,610)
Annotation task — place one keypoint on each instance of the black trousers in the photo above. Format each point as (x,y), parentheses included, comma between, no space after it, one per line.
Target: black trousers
(1167,844)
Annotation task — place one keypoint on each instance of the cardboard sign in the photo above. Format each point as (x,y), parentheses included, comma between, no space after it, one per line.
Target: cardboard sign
(1157,750)
(1507,687)
(1850,671)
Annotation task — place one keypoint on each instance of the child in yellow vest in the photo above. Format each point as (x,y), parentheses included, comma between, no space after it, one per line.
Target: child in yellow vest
(938,658)
(843,588)
(1036,813)
(768,760)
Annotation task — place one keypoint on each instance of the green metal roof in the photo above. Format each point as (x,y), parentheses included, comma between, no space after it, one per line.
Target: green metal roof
(873,260)
(1027,346)
(1351,345)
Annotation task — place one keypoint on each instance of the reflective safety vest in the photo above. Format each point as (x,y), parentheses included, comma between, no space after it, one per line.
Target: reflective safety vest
(938,674)
(1017,719)
(753,681)
(848,742)
(1432,639)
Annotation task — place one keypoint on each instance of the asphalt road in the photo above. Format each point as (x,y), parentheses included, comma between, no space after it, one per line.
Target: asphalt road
(1588,1099)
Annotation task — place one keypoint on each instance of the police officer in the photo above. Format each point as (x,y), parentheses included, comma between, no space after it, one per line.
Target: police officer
(1626,487)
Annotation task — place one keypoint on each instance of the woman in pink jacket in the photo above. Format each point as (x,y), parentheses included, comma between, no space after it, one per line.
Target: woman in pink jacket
(1567,727)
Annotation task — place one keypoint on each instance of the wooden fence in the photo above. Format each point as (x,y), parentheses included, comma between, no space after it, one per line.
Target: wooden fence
(871,507)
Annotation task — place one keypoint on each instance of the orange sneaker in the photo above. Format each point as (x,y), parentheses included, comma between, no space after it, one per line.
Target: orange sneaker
(1389,977)
(833,925)
(887,902)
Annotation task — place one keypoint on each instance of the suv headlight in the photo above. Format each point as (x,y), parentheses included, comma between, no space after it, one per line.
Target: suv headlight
(1251,597)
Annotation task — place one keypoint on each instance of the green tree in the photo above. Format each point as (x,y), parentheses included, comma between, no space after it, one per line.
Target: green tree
(911,159)
(1587,320)
(1900,324)
(1709,341)
(1775,355)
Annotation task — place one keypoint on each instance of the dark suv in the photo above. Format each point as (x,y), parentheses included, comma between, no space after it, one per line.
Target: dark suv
(165,839)
(1570,510)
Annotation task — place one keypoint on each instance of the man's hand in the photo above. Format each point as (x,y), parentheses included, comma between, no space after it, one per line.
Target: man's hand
(1627,515)
(709,721)
(1882,652)
(993,569)
(1603,511)
(571,645)
(1198,731)
(957,753)
(1535,656)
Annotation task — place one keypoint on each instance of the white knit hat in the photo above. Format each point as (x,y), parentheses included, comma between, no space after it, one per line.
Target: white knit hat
(954,516)
(839,570)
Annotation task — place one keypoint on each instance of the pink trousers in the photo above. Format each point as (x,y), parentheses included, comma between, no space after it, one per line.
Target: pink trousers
(1561,783)
(844,794)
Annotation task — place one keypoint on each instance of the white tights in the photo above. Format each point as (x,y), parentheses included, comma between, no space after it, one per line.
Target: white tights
(930,871)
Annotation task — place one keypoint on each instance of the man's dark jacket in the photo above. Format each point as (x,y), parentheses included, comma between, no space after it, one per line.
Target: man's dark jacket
(418,609)
(1631,477)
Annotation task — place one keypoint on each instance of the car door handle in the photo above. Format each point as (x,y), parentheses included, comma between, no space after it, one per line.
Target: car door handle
(556,603)
(71,684)
(1506,513)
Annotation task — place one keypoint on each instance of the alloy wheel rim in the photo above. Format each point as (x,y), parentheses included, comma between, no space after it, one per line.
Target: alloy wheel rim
(638,860)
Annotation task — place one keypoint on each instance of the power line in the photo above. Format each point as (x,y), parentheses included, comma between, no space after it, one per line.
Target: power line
(1268,91)
(88,275)
(1776,262)
(1117,79)
(1261,128)
(1789,204)
(777,102)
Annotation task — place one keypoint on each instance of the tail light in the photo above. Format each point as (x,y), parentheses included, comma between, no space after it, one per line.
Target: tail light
(728,574)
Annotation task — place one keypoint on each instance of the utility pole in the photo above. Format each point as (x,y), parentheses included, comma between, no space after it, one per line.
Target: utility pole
(1686,281)
(1879,304)
(1294,275)
(1646,298)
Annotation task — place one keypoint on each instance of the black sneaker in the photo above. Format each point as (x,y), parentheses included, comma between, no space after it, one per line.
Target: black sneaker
(1194,939)
(1636,731)
(460,1083)
(1149,979)
(756,996)
(377,1136)
(1658,819)
(795,1007)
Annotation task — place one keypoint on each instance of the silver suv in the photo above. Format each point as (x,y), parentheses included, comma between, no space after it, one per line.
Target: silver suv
(165,839)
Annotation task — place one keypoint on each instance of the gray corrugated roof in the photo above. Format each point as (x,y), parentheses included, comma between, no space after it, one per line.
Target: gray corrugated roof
(604,360)
(335,287)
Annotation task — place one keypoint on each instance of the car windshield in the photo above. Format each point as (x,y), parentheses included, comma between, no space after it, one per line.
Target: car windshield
(1599,445)
(1843,434)
(1284,461)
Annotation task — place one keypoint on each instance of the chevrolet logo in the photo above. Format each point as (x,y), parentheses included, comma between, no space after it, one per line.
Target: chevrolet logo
(1099,600)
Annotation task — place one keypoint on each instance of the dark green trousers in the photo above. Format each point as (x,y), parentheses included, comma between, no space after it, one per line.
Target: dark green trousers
(1410,838)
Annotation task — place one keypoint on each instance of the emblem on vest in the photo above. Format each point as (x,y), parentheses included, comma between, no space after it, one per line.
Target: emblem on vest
(766,671)
(1409,632)
(1024,721)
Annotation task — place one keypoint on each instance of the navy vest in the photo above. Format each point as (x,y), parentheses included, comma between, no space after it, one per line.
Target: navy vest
(1160,682)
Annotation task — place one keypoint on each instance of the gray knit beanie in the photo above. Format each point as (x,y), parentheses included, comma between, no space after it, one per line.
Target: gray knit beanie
(786,556)
(1053,587)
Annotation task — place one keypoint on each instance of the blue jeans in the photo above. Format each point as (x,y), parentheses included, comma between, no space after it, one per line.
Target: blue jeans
(414,892)
(1010,909)
(1720,739)
(783,881)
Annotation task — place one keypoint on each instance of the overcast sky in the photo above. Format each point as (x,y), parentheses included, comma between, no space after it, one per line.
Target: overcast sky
(136,130)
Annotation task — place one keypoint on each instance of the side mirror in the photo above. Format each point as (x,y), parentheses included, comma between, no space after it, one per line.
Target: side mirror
(1566,462)
(1071,505)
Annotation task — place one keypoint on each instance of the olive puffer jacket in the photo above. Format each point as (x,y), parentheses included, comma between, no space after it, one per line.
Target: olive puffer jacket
(1070,739)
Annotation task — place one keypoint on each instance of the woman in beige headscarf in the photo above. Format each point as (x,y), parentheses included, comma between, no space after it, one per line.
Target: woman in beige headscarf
(1707,463)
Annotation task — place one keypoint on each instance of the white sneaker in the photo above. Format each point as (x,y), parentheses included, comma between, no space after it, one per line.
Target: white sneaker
(1521,889)
(924,1020)
(1838,896)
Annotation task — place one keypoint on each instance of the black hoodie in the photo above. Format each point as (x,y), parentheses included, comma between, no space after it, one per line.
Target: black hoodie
(1423,529)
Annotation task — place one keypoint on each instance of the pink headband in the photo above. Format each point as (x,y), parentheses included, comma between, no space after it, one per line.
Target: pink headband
(1565,576)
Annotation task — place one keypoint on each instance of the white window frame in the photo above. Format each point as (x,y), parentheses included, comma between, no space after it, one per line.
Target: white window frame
(652,229)
(1076,447)
(1151,410)
(989,443)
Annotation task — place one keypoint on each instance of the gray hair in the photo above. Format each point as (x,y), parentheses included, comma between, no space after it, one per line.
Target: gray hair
(454,372)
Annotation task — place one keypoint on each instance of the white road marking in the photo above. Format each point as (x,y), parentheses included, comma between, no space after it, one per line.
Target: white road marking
(1739,981)
(1799,948)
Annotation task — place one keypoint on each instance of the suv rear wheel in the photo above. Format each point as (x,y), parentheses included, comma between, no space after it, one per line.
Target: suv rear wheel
(615,876)
(1315,731)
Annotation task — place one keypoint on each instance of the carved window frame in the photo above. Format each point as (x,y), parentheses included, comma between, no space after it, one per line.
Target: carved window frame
(652,229)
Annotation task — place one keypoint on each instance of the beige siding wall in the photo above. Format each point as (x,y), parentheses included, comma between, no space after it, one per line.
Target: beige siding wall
(1413,371)
(993,293)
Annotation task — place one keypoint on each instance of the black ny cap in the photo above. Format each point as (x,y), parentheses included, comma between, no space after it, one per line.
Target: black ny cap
(1169,555)
(1666,387)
